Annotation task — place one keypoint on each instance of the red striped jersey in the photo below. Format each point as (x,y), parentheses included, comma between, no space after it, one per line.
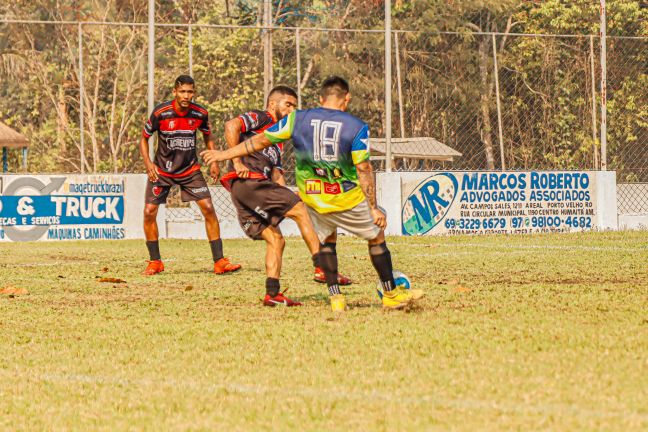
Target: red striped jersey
(176,151)
(252,123)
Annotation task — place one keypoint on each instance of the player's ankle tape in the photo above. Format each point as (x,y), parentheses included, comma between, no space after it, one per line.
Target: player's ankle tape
(334,290)
(154,250)
(328,248)
(216,249)
(388,285)
(272,287)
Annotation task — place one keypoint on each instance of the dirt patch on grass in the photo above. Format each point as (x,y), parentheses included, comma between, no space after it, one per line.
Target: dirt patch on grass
(590,280)
(62,257)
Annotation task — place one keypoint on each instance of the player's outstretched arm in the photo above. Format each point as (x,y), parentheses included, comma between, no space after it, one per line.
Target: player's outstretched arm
(254,144)
(368,185)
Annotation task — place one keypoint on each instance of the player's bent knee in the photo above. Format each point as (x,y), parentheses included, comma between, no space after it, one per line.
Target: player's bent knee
(278,237)
(275,239)
(380,238)
(208,211)
(207,208)
(298,211)
(150,213)
(210,216)
(281,242)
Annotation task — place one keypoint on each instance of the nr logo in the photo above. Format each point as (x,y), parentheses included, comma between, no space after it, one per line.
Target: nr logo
(428,203)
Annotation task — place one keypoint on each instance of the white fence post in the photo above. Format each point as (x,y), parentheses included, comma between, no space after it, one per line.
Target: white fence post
(499,107)
(603,87)
(400,88)
(388,85)
(298,55)
(151,67)
(190,35)
(267,49)
(595,160)
(81,96)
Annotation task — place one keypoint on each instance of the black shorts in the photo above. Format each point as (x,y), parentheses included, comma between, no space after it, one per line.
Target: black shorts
(260,204)
(192,188)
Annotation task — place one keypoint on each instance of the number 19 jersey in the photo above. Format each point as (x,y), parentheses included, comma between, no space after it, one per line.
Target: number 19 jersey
(328,144)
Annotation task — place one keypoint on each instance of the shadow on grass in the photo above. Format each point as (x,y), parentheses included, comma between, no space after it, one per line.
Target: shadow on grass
(323,299)
(356,305)
(315,298)
(207,270)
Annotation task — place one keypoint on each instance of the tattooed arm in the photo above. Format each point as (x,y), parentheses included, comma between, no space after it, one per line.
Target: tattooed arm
(254,144)
(368,185)
(232,137)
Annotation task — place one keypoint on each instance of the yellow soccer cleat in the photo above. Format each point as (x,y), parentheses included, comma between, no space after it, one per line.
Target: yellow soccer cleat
(399,298)
(338,303)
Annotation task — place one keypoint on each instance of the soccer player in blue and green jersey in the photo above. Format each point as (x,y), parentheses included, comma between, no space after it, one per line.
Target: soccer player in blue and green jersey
(335,181)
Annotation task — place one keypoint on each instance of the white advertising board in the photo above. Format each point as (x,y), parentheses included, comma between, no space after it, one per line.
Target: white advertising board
(470,202)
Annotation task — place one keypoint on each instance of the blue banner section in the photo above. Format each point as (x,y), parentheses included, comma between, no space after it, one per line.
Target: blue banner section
(45,210)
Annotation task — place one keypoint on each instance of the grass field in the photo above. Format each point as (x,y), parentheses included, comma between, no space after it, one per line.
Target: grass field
(516,333)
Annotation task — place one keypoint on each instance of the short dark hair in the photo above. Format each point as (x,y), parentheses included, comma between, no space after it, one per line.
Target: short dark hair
(282,90)
(334,86)
(184,79)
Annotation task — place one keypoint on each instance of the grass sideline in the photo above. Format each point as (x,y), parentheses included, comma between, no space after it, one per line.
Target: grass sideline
(517,332)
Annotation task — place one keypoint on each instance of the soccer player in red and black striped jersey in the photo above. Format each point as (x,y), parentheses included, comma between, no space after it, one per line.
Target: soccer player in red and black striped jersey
(176,163)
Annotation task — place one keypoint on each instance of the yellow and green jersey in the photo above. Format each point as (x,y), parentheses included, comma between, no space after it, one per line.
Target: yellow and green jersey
(328,144)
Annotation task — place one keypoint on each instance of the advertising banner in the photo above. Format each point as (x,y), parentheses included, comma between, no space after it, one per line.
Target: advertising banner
(499,202)
(62,207)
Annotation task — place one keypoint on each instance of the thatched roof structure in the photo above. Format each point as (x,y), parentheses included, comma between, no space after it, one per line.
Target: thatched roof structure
(11,138)
(415,148)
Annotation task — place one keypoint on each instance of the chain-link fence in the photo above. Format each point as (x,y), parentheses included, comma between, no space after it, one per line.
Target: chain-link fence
(628,121)
(486,101)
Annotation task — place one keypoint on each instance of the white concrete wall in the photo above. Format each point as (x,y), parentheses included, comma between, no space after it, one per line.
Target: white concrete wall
(192,226)
(229,228)
(388,195)
(134,210)
(633,222)
(606,200)
(633,205)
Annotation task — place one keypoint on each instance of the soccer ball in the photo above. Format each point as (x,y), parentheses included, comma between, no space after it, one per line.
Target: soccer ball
(400,278)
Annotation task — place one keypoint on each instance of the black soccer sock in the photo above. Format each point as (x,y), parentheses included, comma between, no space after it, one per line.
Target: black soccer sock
(217,249)
(381,260)
(153,250)
(272,286)
(329,264)
(316,260)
